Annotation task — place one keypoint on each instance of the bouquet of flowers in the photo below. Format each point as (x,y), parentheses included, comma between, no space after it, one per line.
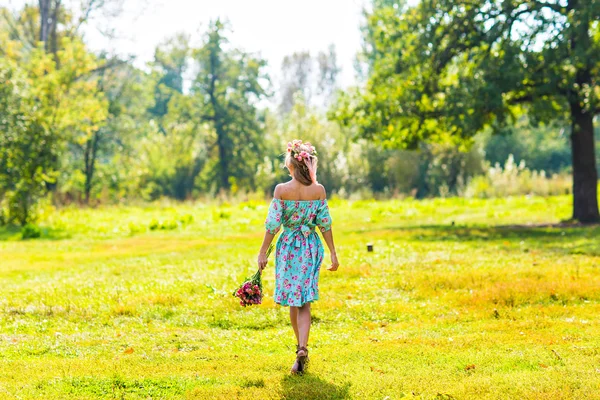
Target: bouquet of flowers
(251,291)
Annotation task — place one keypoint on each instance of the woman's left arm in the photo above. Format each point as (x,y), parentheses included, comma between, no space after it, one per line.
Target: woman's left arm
(328,236)
(272,226)
(262,254)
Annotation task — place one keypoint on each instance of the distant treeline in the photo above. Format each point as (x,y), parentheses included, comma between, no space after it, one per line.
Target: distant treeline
(89,128)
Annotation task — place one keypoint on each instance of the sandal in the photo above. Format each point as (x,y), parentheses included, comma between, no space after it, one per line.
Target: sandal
(301,360)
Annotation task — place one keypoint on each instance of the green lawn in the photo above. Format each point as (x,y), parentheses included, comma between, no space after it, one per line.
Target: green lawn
(458,300)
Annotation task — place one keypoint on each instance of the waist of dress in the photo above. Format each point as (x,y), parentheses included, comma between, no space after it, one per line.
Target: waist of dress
(299,231)
(302,228)
(305,230)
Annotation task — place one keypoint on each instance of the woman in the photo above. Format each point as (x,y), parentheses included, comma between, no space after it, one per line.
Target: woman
(299,205)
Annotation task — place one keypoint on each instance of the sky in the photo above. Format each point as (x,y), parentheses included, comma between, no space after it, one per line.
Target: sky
(271,28)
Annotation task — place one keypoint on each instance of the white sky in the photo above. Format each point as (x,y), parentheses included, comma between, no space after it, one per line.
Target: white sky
(272,28)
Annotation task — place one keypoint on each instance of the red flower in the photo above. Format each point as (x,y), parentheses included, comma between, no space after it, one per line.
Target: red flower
(250,292)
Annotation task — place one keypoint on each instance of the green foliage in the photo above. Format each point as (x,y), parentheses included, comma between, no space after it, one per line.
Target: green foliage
(206,139)
(170,164)
(170,59)
(334,169)
(88,128)
(165,224)
(445,170)
(442,71)
(46,102)
(512,179)
(545,147)
(28,148)
(225,91)
(97,167)
(169,225)
(361,169)
(31,231)
(154,225)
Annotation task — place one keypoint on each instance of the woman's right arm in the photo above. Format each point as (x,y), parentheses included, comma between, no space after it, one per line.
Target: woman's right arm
(325,223)
(328,236)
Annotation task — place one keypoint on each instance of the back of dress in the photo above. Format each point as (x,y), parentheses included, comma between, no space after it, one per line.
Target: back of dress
(299,251)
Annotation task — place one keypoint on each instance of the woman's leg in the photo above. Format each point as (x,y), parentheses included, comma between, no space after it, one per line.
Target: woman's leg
(303,324)
(294,321)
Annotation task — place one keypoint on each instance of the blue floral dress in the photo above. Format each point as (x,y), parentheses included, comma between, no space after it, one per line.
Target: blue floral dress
(299,251)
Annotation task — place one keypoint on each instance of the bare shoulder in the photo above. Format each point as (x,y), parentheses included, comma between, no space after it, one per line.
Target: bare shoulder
(321,191)
(281,190)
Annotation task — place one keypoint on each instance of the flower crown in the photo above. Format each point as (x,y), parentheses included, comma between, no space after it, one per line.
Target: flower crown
(301,151)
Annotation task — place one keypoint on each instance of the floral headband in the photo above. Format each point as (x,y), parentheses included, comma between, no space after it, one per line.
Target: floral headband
(301,151)
(307,153)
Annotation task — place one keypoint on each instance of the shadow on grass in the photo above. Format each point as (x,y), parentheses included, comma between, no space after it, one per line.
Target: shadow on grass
(309,386)
(563,238)
(13,232)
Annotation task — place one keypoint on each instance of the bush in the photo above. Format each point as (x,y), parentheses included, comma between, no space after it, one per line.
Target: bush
(169,225)
(136,228)
(513,179)
(166,225)
(31,231)
(545,147)
(186,219)
(154,225)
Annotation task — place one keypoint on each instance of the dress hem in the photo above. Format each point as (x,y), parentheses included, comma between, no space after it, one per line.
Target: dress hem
(292,305)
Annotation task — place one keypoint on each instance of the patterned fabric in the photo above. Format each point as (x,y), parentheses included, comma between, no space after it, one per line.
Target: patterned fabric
(299,251)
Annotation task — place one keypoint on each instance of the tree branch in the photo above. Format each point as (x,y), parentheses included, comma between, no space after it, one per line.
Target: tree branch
(102,68)
(526,98)
(85,15)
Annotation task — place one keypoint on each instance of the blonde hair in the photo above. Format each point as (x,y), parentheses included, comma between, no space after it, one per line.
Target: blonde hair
(301,171)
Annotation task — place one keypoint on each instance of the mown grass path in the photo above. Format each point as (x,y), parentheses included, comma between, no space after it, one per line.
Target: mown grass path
(458,300)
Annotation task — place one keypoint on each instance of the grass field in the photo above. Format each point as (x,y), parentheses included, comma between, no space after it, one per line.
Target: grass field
(459,300)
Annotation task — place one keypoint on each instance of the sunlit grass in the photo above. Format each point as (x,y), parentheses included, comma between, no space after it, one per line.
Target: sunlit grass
(456,301)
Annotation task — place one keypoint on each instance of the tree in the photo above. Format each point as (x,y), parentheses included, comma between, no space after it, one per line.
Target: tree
(300,80)
(49,21)
(368,54)
(296,70)
(49,15)
(226,89)
(28,150)
(170,62)
(328,74)
(41,107)
(51,25)
(127,91)
(445,70)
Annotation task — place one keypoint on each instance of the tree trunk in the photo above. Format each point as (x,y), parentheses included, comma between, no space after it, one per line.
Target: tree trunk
(585,174)
(49,13)
(91,151)
(53,46)
(223,159)
(218,118)
(44,20)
